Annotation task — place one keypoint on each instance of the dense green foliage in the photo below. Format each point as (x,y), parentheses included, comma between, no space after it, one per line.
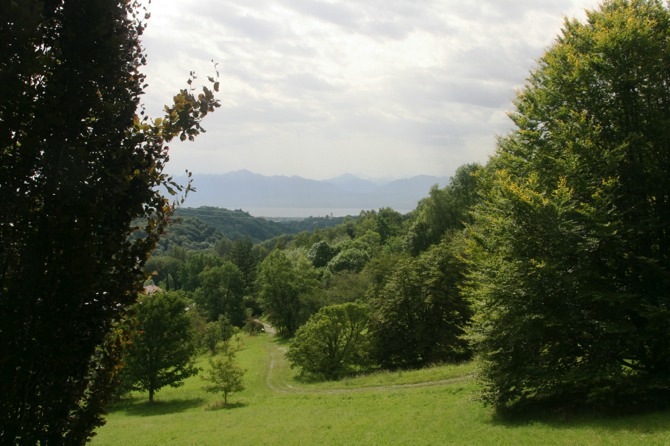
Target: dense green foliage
(81,172)
(571,274)
(444,210)
(333,342)
(204,227)
(420,314)
(221,292)
(162,348)
(286,286)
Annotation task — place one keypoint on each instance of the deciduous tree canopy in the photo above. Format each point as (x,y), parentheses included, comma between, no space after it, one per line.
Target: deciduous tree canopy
(333,342)
(162,344)
(572,270)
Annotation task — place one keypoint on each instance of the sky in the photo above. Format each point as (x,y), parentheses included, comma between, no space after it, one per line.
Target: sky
(374,88)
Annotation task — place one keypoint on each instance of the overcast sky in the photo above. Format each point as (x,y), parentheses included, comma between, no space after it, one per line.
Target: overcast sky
(375,88)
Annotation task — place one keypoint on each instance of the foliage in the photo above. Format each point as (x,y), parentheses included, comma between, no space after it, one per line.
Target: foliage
(224,376)
(190,233)
(165,271)
(286,288)
(238,224)
(321,253)
(194,264)
(215,332)
(349,259)
(221,292)
(388,223)
(419,315)
(333,342)
(162,346)
(82,170)
(242,254)
(346,286)
(570,267)
(443,210)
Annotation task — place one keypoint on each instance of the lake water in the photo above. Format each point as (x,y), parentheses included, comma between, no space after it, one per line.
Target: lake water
(305,212)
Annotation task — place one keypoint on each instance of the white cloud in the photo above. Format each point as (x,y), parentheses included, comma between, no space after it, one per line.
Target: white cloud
(318,88)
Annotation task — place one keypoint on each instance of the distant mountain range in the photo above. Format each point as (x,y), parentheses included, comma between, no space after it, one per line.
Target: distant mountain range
(296,196)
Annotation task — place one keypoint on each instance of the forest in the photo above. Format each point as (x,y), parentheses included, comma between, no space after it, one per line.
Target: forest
(548,266)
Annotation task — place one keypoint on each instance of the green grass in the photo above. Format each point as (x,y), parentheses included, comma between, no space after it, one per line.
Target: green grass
(435,406)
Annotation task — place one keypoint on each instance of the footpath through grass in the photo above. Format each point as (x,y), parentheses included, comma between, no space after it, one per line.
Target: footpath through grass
(435,406)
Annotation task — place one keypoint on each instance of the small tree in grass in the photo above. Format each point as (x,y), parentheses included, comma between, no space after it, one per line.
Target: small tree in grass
(217,331)
(224,376)
(162,350)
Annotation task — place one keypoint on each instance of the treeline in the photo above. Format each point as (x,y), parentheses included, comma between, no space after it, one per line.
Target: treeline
(550,263)
(370,259)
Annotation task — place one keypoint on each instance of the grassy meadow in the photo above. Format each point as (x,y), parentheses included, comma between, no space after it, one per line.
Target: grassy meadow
(435,406)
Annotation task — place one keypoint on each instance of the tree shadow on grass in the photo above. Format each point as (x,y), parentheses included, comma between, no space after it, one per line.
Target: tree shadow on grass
(218,405)
(653,419)
(281,341)
(143,408)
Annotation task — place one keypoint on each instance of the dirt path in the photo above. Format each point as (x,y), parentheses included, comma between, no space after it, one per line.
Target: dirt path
(278,361)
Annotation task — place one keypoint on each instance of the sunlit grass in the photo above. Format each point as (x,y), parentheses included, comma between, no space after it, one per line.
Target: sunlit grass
(385,408)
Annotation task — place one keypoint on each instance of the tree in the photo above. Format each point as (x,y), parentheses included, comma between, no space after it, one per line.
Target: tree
(286,289)
(349,259)
(346,286)
(216,331)
(443,210)
(225,376)
(388,223)
(419,316)
(193,266)
(321,253)
(162,346)
(221,292)
(243,256)
(164,270)
(333,342)
(82,170)
(571,267)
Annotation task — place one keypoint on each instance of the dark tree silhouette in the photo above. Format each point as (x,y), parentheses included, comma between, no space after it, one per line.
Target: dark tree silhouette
(81,208)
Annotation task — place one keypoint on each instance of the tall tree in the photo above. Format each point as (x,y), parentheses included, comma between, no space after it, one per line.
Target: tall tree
(286,288)
(419,315)
(221,292)
(81,170)
(162,344)
(572,266)
(243,256)
(444,209)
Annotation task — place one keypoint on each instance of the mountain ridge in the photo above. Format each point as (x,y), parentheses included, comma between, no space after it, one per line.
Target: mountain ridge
(243,189)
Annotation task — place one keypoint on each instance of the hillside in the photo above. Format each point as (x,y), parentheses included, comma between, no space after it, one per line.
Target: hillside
(200,228)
